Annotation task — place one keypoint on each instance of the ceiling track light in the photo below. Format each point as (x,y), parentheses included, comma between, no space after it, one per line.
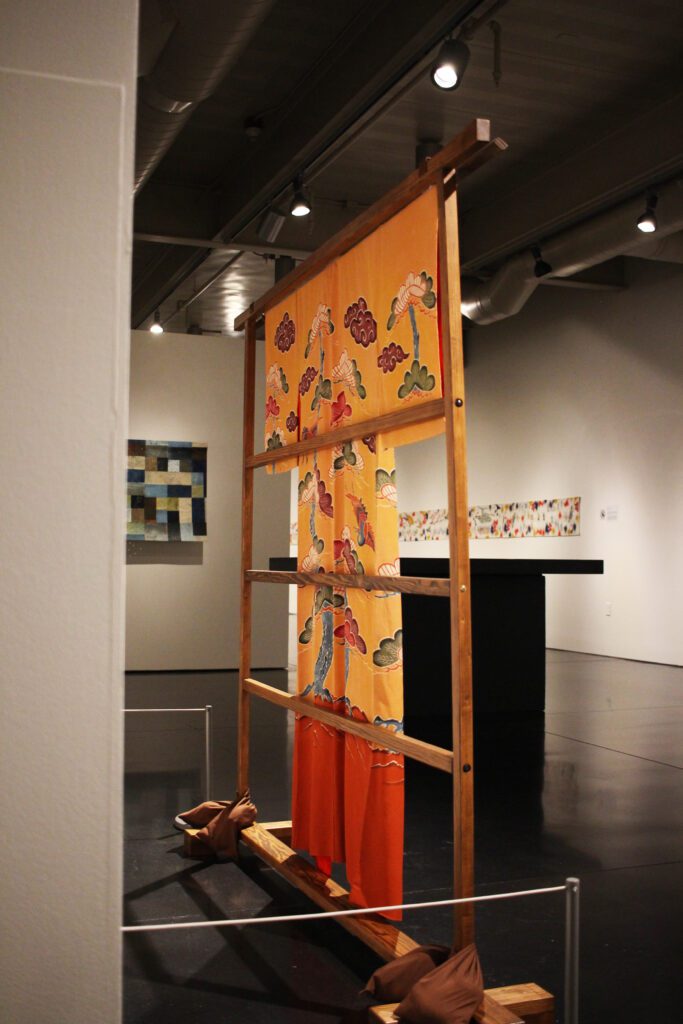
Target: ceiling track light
(301,204)
(156,326)
(449,67)
(541,267)
(647,222)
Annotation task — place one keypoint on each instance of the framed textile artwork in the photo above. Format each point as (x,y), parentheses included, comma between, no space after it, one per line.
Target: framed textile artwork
(166,483)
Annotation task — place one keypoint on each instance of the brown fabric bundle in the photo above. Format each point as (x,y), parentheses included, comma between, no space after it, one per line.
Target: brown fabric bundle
(449,994)
(202,814)
(393,981)
(222,832)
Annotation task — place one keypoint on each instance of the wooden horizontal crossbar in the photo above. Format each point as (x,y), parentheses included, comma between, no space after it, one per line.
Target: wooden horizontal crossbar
(415,412)
(459,152)
(389,584)
(418,750)
(386,940)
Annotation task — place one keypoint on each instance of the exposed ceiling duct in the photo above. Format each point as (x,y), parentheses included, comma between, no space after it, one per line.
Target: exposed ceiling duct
(206,40)
(609,234)
(668,250)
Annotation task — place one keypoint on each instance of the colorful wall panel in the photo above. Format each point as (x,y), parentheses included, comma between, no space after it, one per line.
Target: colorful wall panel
(166,491)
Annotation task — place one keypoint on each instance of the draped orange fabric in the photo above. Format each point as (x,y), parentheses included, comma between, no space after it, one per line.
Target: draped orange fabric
(359,340)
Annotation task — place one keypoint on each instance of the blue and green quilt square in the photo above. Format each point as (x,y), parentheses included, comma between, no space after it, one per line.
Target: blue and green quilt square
(166,491)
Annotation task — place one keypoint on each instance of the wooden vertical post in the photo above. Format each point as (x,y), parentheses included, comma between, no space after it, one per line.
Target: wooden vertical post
(458,529)
(247,549)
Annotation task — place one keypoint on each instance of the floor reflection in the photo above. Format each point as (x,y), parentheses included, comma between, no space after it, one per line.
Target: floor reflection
(594,788)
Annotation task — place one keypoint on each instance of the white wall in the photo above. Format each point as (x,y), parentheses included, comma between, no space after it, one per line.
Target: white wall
(67,78)
(582,394)
(182,605)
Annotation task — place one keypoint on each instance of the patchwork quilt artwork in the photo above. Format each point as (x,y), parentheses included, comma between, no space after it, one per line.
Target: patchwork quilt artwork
(545,517)
(166,491)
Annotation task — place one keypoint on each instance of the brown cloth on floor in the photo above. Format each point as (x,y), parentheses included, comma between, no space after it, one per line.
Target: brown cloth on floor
(449,994)
(393,981)
(203,813)
(222,832)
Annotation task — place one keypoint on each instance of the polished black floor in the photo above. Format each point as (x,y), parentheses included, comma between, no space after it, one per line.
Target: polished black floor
(595,789)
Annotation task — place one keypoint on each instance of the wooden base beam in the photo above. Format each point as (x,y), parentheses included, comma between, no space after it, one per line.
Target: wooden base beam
(514,1004)
(196,849)
(381,936)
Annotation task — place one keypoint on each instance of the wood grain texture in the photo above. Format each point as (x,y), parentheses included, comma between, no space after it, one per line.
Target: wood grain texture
(427,753)
(482,156)
(390,584)
(418,412)
(386,940)
(490,1012)
(280,829)
(243,718)
(529,1000)
(460,150)
(458,542)
(195,848)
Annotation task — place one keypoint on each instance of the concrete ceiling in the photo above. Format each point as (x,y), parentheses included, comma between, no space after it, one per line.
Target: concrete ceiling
(590,103)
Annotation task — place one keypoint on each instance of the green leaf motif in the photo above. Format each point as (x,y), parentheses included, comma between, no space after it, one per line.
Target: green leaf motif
(303,484)
(389,651)
(382,478)
(326,598)
(323,391)
(306,634)
(283,381)
(358,380)
(417,378)
(274,441)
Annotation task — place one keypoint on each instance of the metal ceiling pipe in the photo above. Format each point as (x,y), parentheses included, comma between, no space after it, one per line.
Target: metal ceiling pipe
(206,41)
(609,234)
(668,250)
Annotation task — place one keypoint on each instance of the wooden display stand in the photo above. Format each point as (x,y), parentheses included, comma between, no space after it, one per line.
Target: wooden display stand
(525,1004)
(466,152)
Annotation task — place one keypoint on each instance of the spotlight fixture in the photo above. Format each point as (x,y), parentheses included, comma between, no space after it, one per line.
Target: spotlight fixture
(449,67)
(156,327)
(647,222)
(541,266)
(301,206)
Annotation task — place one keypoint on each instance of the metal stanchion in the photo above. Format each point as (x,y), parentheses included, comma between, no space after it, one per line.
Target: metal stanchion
(207,750)
(571,952)
(206,711)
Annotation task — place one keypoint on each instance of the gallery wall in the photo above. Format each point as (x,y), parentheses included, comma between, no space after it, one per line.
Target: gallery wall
(182,598)
(67,95)
(581,394)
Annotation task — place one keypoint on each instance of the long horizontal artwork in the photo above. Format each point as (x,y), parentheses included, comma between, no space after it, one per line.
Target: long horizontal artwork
(544,517)
(166,491)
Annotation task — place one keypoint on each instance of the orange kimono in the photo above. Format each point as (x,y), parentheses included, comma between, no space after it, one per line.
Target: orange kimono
(357,341)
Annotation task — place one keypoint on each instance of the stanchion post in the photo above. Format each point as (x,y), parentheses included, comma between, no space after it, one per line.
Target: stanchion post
(571,951)
(207,751)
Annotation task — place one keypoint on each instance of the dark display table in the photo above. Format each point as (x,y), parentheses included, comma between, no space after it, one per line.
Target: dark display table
(508,638)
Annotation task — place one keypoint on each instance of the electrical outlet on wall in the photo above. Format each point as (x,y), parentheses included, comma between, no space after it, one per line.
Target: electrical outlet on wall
(608,607)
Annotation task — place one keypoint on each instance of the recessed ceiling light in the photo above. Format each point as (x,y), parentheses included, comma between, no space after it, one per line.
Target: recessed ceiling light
(156,326)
